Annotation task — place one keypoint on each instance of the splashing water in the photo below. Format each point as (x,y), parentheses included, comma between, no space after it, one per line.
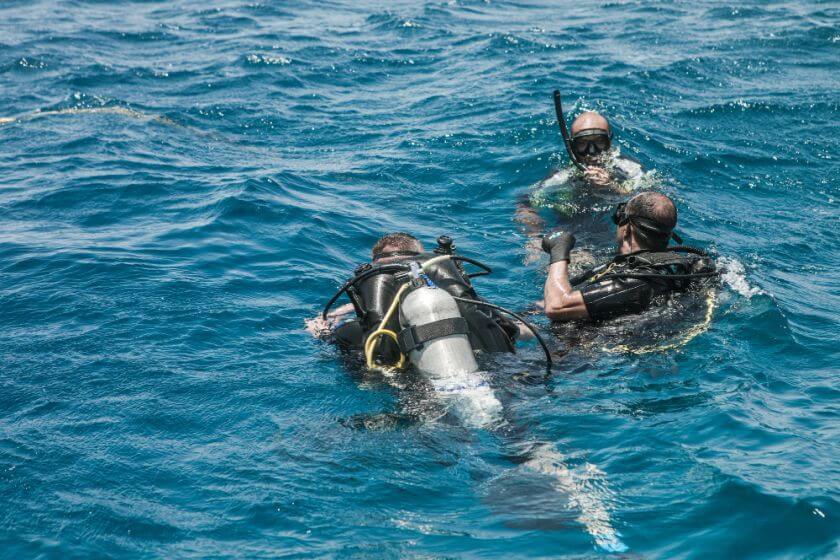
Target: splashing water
(735,277)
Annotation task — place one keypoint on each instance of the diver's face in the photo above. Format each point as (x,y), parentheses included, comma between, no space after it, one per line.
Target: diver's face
(591,144)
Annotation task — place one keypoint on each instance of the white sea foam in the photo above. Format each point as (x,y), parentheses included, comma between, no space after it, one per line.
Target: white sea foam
(469,397)
(735,276)
(587,491)
(268,59)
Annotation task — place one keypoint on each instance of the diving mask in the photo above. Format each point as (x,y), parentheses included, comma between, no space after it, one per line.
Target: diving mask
(591,141)
(646,227)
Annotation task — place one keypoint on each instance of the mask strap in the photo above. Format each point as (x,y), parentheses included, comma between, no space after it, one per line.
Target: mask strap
(389,254)
(647,228)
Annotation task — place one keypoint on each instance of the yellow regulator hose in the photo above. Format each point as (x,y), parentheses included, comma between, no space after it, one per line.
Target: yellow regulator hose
(375,336)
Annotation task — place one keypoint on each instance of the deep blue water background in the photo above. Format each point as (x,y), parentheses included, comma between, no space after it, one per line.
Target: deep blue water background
(182,183)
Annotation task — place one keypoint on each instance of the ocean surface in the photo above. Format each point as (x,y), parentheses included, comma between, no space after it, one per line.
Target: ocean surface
(183,183)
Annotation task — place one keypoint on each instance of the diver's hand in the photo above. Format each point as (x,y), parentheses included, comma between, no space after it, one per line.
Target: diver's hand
(558,244)
(323,328)
(318,327)
(597,176)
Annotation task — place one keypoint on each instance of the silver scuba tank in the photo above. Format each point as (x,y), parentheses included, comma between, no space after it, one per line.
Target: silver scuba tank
(447,360)
(447,355)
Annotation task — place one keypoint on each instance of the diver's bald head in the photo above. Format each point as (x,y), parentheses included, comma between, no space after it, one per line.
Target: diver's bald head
(590,119)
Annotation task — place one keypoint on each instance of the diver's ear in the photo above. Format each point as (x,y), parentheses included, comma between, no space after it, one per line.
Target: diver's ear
(627,237)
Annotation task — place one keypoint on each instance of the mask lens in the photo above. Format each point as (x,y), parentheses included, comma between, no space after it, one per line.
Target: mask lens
(601,142)
(591,142)
(580,145)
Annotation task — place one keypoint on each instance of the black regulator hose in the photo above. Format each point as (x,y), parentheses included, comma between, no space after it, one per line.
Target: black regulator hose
(548,360)
(397,267)
(335,297)
(644,276)
(485,270)
(561,120)
(384,269)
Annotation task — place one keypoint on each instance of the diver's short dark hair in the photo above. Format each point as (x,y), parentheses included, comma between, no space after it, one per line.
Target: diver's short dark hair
(660,210)
(401,241)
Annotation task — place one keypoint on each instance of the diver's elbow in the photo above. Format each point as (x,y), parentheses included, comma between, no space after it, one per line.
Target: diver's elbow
(553,315)
(565,309)
(556,311)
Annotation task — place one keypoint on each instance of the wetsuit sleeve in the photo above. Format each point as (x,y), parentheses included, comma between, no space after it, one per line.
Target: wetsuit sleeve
(615,297)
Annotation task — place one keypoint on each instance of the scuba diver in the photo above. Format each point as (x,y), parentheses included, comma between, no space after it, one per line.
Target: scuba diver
(644,271)
(419,311)
(599,171)
(375,285)
(457,386)
(389,248)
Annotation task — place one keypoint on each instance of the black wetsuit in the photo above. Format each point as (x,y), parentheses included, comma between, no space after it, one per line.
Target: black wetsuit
(629,283)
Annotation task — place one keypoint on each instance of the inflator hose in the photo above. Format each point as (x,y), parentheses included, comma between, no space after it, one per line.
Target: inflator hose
(370,343)
(548,360)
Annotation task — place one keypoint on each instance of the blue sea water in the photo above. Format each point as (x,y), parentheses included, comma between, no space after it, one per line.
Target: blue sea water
(183,183)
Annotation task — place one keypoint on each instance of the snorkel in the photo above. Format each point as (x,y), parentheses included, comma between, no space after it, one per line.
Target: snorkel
(567,141)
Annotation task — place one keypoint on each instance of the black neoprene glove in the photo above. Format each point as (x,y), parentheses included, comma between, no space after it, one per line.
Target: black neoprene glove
(558,244)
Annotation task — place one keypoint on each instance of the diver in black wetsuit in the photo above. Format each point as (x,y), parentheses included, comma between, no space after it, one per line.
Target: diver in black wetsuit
(644,269)
(350,324)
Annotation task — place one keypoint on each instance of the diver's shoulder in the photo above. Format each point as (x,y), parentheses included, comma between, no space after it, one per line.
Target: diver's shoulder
(630,165)
(555,177)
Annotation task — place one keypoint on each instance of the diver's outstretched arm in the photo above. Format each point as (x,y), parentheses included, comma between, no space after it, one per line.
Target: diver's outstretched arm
(531,223)
(321,328)
(562,302)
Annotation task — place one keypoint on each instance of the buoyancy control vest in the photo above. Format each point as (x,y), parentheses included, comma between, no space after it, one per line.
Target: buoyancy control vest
(374,286)
(628,283)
